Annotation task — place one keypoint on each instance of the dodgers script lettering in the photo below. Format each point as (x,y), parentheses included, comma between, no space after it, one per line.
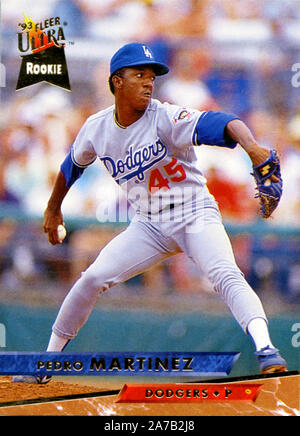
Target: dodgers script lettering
(136,163)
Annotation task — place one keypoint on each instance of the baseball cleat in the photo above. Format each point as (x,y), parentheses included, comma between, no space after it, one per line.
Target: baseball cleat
(32,379)
(270,360)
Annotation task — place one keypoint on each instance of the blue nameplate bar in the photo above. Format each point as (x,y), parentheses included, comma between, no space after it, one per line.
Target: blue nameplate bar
(125,364)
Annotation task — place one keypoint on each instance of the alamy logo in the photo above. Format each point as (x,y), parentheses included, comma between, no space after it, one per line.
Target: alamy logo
(2,75)
(136,162)
(2,335)
(46,61)
(296,336)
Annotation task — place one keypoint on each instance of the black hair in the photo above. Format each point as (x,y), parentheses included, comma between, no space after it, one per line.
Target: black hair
(119,73)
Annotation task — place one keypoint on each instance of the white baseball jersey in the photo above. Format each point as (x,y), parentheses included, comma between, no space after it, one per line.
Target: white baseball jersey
(152,159)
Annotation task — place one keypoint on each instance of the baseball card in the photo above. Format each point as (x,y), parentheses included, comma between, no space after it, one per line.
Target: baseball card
(149,210)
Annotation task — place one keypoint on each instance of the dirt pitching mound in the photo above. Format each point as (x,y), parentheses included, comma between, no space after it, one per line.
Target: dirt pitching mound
(279,396)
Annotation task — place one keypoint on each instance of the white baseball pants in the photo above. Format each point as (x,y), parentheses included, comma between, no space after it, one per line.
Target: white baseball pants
(144,244)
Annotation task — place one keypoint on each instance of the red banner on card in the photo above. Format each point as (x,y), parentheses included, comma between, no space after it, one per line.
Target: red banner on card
(170,393)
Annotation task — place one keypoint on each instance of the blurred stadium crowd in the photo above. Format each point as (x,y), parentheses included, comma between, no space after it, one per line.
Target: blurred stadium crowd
(228,55)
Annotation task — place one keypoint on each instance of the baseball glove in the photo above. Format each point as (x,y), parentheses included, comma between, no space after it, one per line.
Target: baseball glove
(269,192)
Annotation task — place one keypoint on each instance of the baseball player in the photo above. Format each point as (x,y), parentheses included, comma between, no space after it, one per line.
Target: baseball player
(148,148)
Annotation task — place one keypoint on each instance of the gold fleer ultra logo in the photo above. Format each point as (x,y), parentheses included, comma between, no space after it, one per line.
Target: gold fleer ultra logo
(46,62)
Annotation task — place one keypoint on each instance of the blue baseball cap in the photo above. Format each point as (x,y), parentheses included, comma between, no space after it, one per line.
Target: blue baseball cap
(134,54)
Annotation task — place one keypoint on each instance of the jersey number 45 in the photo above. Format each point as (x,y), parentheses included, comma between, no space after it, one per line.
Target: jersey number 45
(173,170)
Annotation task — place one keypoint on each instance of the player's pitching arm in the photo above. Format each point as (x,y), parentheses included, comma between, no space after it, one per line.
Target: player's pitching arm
(239,132)
(265,165)
(53,217)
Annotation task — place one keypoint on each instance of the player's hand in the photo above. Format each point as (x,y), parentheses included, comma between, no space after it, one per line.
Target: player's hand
(52,219)
(258,155)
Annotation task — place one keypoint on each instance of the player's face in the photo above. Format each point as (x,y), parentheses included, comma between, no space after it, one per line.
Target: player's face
(137,87)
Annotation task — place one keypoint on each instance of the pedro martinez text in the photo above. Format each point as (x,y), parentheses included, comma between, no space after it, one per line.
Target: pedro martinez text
(117,364)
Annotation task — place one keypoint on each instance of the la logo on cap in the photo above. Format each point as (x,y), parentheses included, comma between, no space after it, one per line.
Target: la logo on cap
(147,52)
